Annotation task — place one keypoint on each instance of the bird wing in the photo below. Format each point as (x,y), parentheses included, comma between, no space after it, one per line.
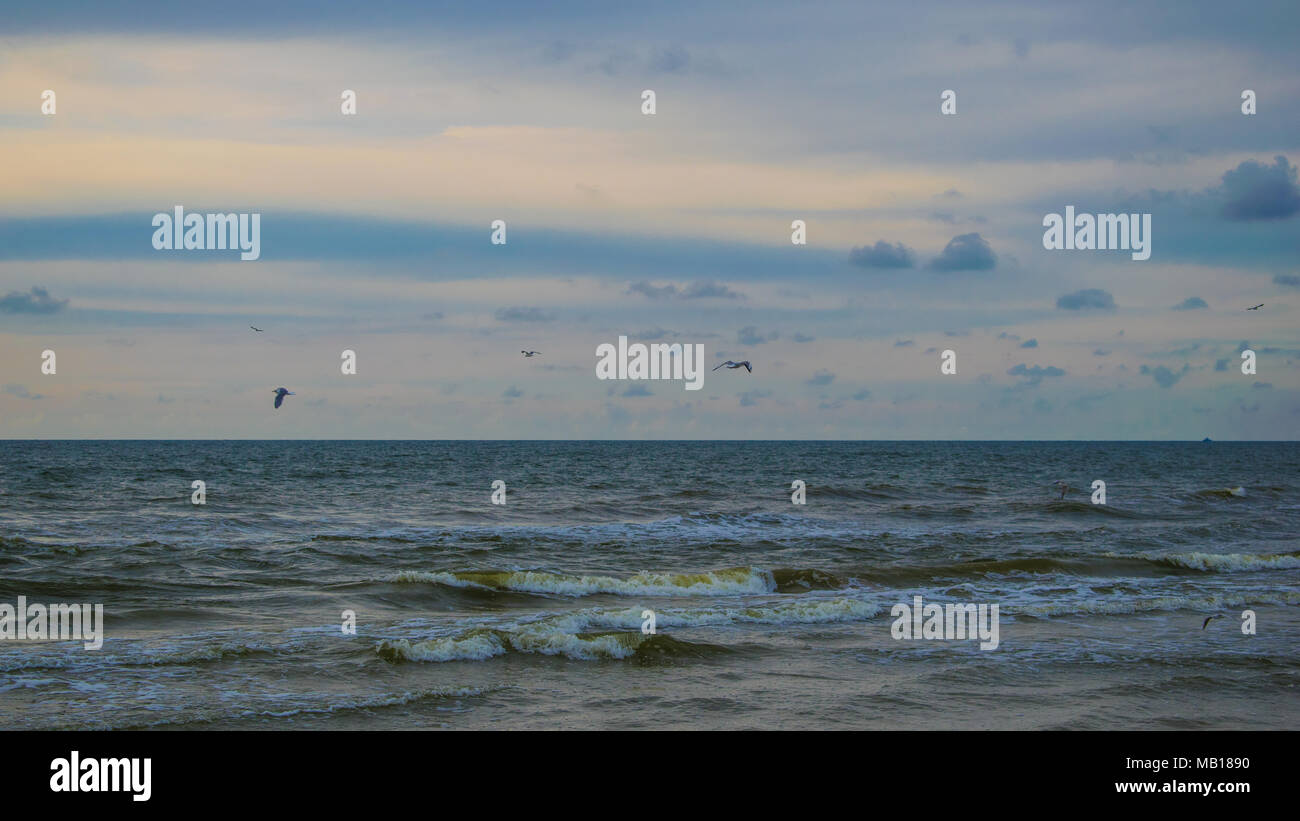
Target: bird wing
(748,367)
(724,363)
(279,397)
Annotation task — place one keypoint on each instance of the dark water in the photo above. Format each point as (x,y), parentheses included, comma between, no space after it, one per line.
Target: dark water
(768,614)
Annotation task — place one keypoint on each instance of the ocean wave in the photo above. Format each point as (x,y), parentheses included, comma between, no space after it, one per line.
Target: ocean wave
(1224,562)
(730,581)
(615,634)
(110,656)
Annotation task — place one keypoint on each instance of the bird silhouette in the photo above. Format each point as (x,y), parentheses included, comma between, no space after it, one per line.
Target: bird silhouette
(280,394)
(259,330)
(530,353)
(733,365)
(1256,308)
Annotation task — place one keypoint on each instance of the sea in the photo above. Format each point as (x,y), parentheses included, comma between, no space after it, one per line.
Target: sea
(653,585)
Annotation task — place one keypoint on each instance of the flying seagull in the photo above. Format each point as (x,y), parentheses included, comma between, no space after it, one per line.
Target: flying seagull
(530,353)
(1256,308)
(1062,486)
(734,365)
(259,330)
(280,394)
(1208,619)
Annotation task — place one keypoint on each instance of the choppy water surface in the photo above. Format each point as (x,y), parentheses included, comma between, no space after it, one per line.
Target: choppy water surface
(769,615)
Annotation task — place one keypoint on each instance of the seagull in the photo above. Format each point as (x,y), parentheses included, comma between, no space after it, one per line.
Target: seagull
(1256,308)
(734,365)
(530,353)
(1063,487)
(1207,621)
(259,330)
(280,394)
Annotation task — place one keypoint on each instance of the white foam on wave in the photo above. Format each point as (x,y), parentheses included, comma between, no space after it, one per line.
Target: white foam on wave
(732,581)
(563,634)
(1219,562)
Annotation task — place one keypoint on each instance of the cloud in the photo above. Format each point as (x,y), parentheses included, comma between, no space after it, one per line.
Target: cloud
(904,343)
(38,301)
(512,393)
(1100,352)
(750,335)
(749,399)
(1029,343)
(1254,191)
(966,252)
(1262,386)
(861,395)
(1221,364)
(21,392)
(653,291)
(883,255)
(1089,298)
(1164,377)
(1192,303)
(710,290)
(637,390)
(1287,279)
(822,377)
(1034,375)
(798,337)
(696,290)
(523,315)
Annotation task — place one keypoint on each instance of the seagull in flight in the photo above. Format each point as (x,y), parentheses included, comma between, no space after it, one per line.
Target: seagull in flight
(259,330)
(1061,486)
(1256,308)
(733,365)
(530,353)
(1207,621)
(280,394)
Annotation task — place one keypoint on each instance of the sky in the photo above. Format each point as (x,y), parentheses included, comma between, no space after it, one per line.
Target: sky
(924,230)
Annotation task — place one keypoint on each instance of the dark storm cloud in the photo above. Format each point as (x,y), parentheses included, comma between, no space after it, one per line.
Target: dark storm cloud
(1089,298)
(883,255)
(1255,191)
(966,252)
